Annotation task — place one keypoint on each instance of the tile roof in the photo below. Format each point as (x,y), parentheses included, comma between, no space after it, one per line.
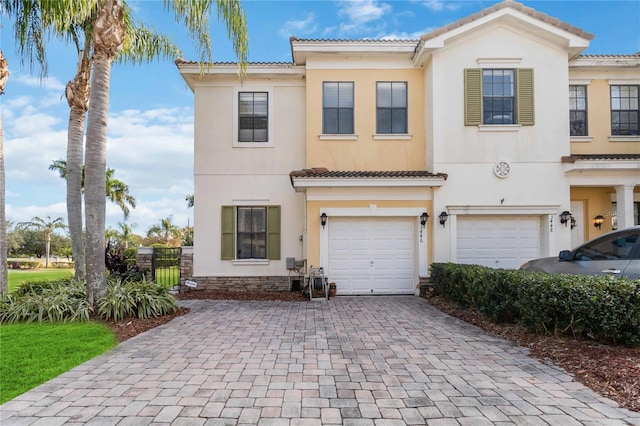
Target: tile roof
(321,172)
(599,157)
(351,41)
(181,61)
(631,55)
(513,5)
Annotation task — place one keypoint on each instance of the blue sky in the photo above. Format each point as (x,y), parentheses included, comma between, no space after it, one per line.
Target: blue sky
(151,109)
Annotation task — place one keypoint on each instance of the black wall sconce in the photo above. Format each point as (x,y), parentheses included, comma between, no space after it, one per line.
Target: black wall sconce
(598,221)
(323,219)
(423,219)
(565,217)
(443,218)
(573,222)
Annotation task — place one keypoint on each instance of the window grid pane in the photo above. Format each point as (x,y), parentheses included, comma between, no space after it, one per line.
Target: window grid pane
(578,110)
(391,111)
(253,116)
(624,110)
(337,107)
(252,233)
(498,99)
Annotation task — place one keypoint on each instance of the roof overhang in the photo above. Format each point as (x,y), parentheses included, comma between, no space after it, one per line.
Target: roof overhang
(302,49)
(301,180)
(193,72)
(572,39)
(617,163)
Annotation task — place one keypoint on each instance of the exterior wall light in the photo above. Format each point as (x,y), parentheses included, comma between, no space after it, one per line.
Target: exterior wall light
(573,222)
(443,218)
(598,221)
(565,216)
(323,219)
(423,219)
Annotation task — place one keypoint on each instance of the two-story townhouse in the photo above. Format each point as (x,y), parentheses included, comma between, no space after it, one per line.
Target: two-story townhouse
(385,155)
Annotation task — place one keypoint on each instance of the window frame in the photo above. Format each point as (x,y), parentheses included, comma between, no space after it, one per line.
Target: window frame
(391,108)
(270,116)
(513,86)
(339,109)
(252,234)
(631,112)
(253,116)
(574,101)
(230,238)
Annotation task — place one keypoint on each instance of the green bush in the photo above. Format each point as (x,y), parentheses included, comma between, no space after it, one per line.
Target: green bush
(23,264)
(64,300)
(142,299)
(53,301)
(601,308)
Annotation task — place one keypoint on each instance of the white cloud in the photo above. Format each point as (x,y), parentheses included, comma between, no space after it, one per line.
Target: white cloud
(299,27)
(48,83)
(404,35)
(440,5)
(360,13)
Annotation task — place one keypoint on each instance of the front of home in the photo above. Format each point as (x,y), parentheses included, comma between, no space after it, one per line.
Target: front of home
(374,158)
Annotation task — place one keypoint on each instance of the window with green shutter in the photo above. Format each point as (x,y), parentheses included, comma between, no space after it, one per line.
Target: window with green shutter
(250,232)
(498,96)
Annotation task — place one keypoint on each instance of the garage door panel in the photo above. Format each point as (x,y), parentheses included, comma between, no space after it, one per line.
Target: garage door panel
(372,255)
(504,242)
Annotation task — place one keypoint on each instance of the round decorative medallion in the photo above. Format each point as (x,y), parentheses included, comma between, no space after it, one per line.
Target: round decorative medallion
(502,169)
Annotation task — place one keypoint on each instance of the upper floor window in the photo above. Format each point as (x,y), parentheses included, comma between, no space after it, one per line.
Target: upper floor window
(337,108)
(391,111)
(498,97)
(578,110)
(253,116)
(624,110)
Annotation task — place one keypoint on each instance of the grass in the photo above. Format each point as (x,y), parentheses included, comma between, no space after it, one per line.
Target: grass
(35,353)
(18,276)
(168,276)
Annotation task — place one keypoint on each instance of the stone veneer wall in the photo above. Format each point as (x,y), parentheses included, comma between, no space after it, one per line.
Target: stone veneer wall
(264,283)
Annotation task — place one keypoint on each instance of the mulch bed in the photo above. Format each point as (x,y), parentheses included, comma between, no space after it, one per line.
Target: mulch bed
(611,371)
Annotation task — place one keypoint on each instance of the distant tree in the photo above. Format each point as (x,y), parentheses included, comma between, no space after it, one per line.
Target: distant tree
(165,231)
(187,236)
(15,239)
(48,226)
(190,200)
(123,236)
(116,190)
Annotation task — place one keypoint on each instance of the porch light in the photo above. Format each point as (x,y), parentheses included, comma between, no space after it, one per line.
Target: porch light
(443,218)
(573,222)
(423,219)
(565,216)
(598,221)
(323,219)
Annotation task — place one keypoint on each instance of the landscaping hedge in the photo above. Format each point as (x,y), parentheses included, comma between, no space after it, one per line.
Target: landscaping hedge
(602,308)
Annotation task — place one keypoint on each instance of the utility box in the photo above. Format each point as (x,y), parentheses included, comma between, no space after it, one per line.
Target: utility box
(291,263)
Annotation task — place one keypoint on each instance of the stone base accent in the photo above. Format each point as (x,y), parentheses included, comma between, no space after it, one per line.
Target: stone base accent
(263,284)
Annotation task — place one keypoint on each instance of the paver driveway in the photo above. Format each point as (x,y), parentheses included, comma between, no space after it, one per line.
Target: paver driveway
(360,361)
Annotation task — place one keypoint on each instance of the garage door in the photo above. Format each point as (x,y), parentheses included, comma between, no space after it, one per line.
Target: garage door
(372,256)
(505,242)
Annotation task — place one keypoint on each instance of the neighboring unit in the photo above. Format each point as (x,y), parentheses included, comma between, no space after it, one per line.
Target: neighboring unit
(490,141)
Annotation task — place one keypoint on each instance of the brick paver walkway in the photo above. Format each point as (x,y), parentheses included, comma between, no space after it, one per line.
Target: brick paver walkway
(352,361)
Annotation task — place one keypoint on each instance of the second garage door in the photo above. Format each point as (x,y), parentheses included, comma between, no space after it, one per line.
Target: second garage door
(504,242)
(372,256)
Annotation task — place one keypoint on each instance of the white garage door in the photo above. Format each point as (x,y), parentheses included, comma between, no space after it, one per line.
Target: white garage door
(372,256)
(505,242)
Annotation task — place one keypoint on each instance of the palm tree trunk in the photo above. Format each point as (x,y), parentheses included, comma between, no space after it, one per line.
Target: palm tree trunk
(107,39)
(4,281)
(47,249)
(78,99)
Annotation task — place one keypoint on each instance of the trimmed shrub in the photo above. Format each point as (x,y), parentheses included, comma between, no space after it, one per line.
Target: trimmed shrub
(24,264)
(141,299)
(601,308)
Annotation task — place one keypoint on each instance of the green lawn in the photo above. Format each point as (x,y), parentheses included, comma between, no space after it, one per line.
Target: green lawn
(17,276)
(168,276)
(35,353)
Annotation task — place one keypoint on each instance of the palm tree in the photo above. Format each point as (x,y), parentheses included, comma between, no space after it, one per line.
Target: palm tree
(4,280)
(48,226)
(108,38)
(164,231)
(117,191)
(123,235)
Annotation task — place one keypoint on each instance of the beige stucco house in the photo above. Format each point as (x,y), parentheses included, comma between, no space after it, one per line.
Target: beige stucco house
(374,158)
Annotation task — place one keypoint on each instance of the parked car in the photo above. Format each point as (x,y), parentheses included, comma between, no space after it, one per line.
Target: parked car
(616,253)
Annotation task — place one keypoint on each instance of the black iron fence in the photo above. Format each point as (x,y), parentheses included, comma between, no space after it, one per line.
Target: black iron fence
(165,266)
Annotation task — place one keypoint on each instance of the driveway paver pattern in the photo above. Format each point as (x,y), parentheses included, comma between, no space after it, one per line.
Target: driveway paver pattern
(351,361)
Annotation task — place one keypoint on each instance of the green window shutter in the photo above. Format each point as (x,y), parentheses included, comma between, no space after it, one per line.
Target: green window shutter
(472,97)
(526,106)
(273,232)
(228,233)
